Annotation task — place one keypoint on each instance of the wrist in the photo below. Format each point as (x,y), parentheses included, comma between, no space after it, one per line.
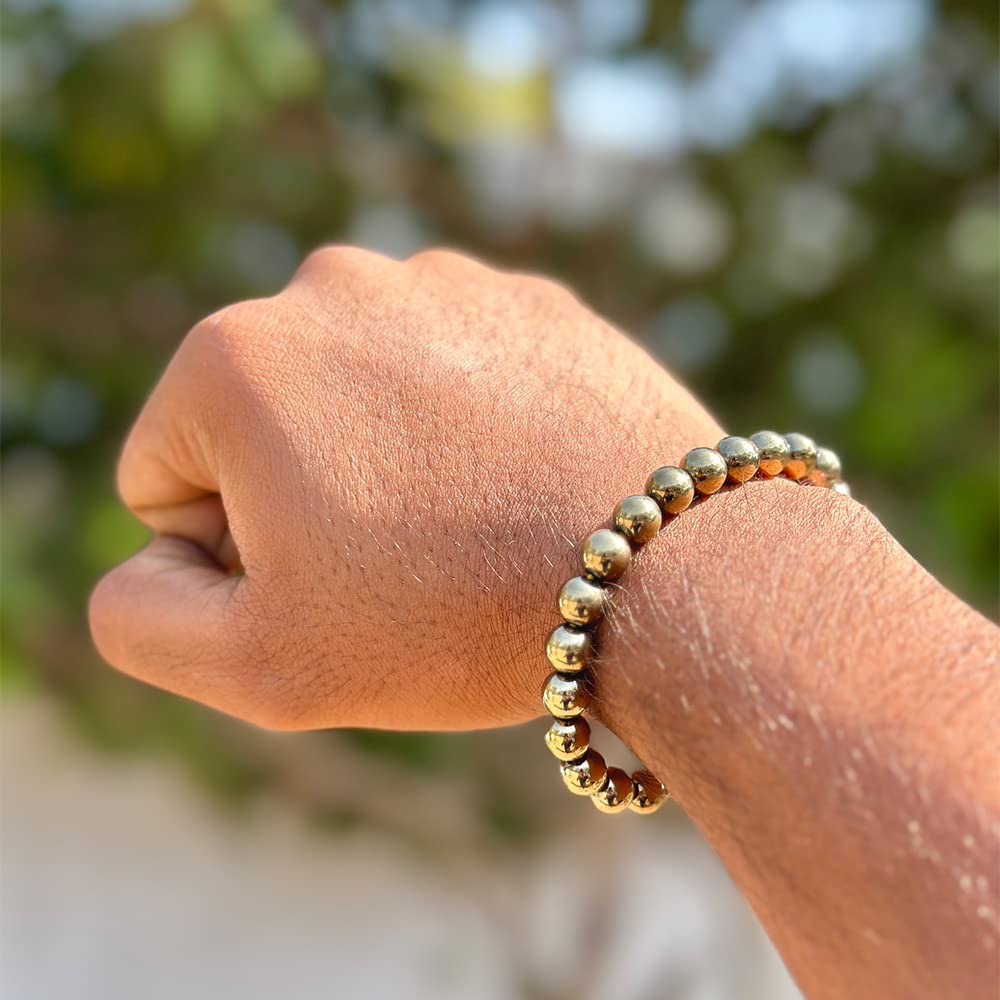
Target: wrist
(769,626)
(821,708)
(734,622)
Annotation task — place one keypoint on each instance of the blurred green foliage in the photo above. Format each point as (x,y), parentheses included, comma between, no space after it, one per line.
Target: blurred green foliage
(830,263)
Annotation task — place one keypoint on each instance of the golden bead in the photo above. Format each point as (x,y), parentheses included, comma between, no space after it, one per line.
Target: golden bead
(606,554)
(616,792)
(707,469)
(568,740)
(841,487)
(802,456)
(586,775)
(772,450)
(568,648)
(671,488)
(741,458)
(638,518)
(648,793)
(581,601)
(565,697)
(828,463)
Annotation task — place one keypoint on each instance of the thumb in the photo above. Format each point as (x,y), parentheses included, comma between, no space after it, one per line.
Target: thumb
(166,617)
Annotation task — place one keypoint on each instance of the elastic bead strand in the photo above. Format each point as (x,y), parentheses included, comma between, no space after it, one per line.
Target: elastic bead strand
(638,518)
(648,794)
(607,554)
(741,457)
(581,601)
(772,451)
(707,468)
(671,488)
(568,739)
(565,697)
(616,792)
(586,775)
(802,456)
(568,648)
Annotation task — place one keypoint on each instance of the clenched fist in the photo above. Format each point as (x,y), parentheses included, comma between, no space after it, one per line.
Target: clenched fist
(366,491)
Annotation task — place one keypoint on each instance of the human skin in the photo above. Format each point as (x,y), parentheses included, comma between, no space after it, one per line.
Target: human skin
(403,459)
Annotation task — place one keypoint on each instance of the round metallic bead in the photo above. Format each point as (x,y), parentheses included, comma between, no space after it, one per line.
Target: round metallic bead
(581,601)
(616,792)
(648,793)
(772,450)
(638,518)
(568,648)
(568,740)
(828,462)
(741,457)
(565,697)
(586,775)
(707,469)
(671,488)
(841,487)
(606,554)
(802,456)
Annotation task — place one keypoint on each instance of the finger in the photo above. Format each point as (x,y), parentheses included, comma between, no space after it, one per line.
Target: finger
(167,617)
(170,470)
(197,411)
(165,462)
(202,521)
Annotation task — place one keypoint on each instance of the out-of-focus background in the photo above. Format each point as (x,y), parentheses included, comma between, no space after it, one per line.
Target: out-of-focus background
(792,203)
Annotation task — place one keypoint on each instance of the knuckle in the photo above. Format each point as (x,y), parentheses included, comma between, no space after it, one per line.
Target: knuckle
(226,334)
(329,260)
(537,290)
(445,260)
(125,485)
(434,256)
(230,354)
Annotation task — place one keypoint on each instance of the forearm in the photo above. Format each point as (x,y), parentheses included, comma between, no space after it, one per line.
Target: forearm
(827,714)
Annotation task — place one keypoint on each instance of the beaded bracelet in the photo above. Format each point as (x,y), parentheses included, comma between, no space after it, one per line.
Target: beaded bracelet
(606,555)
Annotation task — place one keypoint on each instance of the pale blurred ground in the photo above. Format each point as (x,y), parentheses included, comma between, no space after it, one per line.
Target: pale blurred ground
(121,882)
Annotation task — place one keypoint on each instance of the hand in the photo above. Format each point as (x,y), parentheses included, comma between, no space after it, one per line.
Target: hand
(404,458)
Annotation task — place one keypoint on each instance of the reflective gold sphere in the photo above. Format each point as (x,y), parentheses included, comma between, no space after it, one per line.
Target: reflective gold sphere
(772,450)
(671,488)
(828,463)
(741,456)
(565,697)
(606,554)
(568,648)
(648,793)
(638,518)
(568,740)
(581,601)
(707,469)
(586,775)
(802,456)
(616,792)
